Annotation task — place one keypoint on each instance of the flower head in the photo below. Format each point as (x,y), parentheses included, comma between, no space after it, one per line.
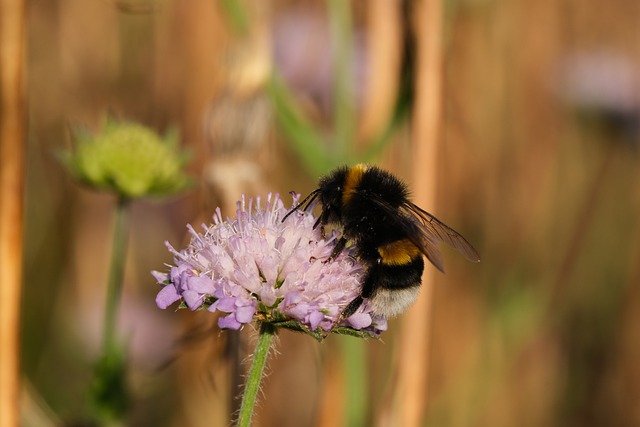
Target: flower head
(256,267)
(128,159)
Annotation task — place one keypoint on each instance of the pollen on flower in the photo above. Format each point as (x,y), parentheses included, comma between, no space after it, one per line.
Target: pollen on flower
(254,267)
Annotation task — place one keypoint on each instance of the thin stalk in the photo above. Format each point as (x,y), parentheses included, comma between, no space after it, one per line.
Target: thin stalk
(116,275)
(109,393)
(255,374)
(582,223)
(355,366)
(12,165)
(413,370)
(344,111)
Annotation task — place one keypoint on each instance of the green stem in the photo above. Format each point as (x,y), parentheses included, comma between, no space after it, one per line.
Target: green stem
(344,108)
(255,374)
(116,274)
(355,366)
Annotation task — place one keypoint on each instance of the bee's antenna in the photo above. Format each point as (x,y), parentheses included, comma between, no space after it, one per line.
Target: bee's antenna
(311,196)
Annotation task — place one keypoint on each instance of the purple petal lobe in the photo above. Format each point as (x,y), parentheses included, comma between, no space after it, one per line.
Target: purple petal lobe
(160,277)
(245,314)
(360,320)
(226,304)
(229,322)
(192,298)
(167,296)
(201,284)
(314,320)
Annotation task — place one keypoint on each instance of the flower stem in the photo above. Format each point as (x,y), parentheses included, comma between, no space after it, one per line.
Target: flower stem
(109,394)
(255,374)
(116,274)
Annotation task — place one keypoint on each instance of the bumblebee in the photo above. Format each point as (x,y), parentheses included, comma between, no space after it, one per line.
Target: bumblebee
(389,233)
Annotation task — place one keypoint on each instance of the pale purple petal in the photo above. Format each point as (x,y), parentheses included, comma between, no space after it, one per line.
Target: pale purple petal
(360,320)
(380,324)
(245,314)
(229,322)
(314,320)
(167,296)
(299,311)
(291,298)
(178,273)
(160,277)
(226,304)
(201,284)
(268,296)
(192,298)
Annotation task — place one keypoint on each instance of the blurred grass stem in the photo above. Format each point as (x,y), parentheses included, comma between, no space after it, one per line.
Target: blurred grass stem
(582,223)
(237,16)
(344,111)
(109,393)
(411,394)
(355,367)
(254,377)
(12,168)
(116,276)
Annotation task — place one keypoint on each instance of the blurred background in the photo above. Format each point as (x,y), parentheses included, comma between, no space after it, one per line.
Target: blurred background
(536,165)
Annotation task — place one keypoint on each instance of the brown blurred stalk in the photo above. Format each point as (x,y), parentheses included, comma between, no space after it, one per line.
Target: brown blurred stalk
(12,158)
(385,62)
(411,394)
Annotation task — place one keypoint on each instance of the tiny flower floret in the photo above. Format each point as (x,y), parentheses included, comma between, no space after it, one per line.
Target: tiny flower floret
(256,267)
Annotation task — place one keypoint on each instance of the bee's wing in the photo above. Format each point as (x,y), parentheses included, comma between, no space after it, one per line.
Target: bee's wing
(424,239)
(433,231)
(425,231)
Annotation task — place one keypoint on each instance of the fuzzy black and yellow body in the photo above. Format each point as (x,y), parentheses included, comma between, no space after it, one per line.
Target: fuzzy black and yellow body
(391,235)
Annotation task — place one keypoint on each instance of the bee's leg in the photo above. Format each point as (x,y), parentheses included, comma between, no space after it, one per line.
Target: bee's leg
(368,287)
(337,249)
(322,219)
(351,308)
(346,313)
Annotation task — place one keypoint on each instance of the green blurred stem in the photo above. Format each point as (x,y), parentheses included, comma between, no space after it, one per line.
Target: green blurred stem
(116,274)
(355,366)
(255,374)
(344,109)
(237,15)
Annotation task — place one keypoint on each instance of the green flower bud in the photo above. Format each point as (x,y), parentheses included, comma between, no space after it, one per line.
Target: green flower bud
(128,159)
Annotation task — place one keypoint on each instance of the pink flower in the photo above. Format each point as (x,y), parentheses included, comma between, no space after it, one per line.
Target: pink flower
(256,267)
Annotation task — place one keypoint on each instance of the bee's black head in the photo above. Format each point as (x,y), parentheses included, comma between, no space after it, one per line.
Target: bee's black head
(330,190)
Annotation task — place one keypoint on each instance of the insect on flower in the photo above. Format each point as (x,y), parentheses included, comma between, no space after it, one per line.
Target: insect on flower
(389,234)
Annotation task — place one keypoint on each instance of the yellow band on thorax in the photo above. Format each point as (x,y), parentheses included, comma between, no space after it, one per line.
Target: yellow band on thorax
(353,178)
